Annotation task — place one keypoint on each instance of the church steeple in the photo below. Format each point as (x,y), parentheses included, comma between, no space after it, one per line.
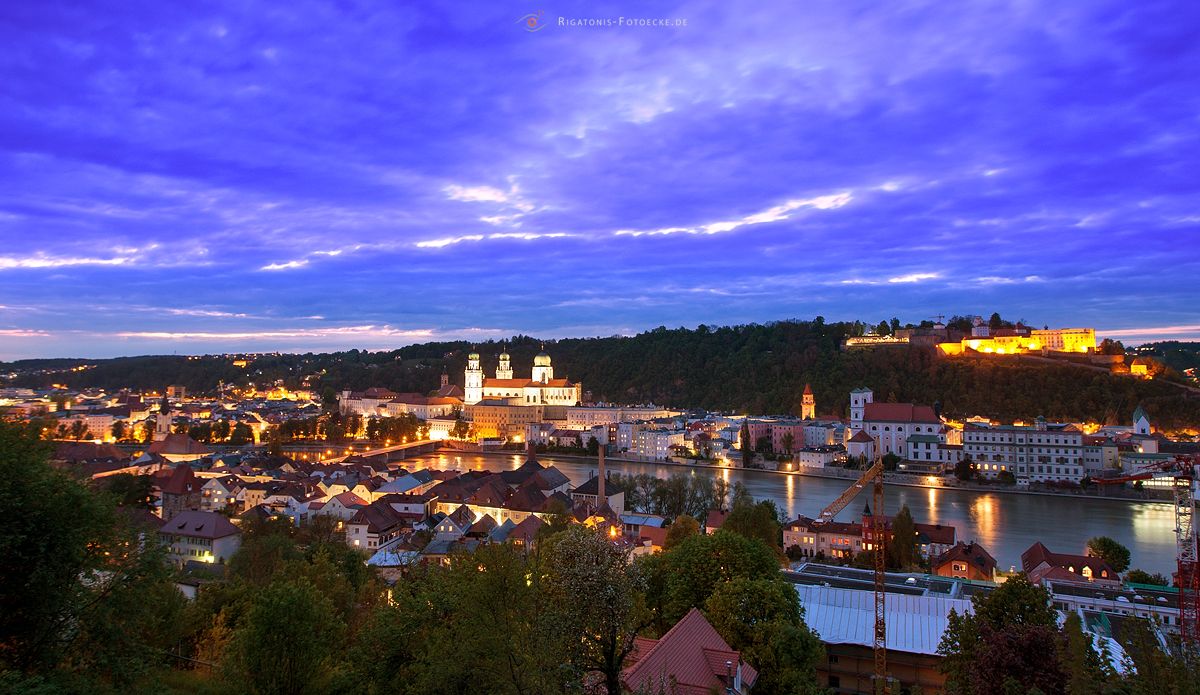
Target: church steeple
(808,404)
(473,380)
(504,368)
(542,371)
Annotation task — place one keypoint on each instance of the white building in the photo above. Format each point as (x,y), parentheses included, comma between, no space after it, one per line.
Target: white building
(818,456)
(540,389)
(1044,452)
(585,416)
(196,536)
(890,424)
(656,444)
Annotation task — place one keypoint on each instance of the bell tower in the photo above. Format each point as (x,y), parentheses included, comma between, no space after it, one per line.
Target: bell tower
(808,404)
(504,368)
(542,371)
(473,380)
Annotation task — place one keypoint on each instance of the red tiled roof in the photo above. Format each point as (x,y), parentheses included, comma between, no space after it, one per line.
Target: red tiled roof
(349,499)
(939,534)
(181,482)
(196,524)
(692,656)
(899,412)
(861,436)
(971,553)
(179,444)
(1038,555)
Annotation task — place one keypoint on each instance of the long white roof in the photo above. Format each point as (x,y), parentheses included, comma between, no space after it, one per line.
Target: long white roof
(847,616)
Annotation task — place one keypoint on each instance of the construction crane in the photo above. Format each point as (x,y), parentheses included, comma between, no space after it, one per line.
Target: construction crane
(878,528)
(1183,470)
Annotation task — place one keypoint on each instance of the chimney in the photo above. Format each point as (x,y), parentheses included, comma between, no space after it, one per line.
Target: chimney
(600,498)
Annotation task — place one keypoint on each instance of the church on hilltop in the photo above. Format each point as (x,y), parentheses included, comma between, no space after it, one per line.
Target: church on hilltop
(540,389)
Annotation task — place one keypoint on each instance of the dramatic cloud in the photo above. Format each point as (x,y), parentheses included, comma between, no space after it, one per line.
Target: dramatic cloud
(184,177)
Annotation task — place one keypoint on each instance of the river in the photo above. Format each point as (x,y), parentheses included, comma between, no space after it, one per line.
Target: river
(1004,523)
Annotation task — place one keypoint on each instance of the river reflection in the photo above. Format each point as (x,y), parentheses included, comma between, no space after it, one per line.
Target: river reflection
(1006,524)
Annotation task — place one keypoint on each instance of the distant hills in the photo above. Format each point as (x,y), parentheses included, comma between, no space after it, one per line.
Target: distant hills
(754,368)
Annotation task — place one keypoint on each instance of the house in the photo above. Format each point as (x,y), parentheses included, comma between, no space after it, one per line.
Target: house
(180,447)
(179,492)
(196,536)
(861,446)
(1041,564)
(343,506)
(375,526)
(525,533)
(218,494)
(455,525)
(691,658)
(965,561)
(714,520)
(846,540)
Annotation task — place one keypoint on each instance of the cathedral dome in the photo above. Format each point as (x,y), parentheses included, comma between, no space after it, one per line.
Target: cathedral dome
(473,356)
(541,359)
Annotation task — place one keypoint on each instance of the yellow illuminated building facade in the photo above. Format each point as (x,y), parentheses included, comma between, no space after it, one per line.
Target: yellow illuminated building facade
(1068,340)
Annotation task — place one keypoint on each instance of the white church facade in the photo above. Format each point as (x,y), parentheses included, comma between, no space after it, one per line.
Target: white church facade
(540,389)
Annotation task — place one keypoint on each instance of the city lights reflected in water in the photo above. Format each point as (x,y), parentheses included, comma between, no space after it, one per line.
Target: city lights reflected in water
(983,514)
(1006,524)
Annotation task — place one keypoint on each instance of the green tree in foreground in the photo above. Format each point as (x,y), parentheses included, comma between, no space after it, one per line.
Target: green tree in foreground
(583,563)
(684,527)
(82,596)
(763,619)
(1009,643)
(286,641)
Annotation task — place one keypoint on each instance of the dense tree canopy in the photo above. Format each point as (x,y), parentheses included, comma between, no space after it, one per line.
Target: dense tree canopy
(756,368)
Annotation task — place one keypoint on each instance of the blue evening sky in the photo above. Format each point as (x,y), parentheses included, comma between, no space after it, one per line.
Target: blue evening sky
(206,177)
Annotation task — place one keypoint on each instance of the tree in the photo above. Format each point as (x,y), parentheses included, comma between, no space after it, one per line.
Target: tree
(1109,550)
(1137,576)
(752,519)
(763,619)
(285,642)
(461,429)
(1012,633)
(593,446)
(789,441)
(79,430)
(695,567)
(80,589)
(118,430)
(1086,672)
(747,451)
(964,468)
(1156,671)
(582,563)
(241,434)
(682,528)
(902,548)
(131,490)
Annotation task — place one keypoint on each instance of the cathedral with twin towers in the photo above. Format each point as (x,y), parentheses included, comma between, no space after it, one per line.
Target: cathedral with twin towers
(541,388)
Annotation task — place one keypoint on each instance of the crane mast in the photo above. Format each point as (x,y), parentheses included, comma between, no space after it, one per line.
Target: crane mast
(877,525)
